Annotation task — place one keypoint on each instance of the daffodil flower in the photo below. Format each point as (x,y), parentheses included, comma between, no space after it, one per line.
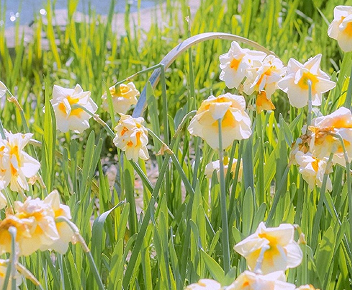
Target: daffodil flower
(15,164)
(235,62)
(67,116)
(204,284)
(341,27)
(325,131)
(264,76)
(230,110)
(215,166)
(312,169)
(132,137)
(122,97)
(271,249)
(251,281)
(296,82)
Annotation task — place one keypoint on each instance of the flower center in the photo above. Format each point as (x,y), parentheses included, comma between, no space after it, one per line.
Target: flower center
(308,76)
(235,63)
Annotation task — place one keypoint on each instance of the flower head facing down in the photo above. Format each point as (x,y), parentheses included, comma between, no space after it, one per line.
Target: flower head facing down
(251,281)
(132,137)
(324,137)
(263,103)
(312,169)
(122,97)
(264,76)
(16,166)
(296,82)
(341,27)
(235,62)
(215,166)
(67,116)
(37,227)
(235,122)
(204,284)
(271,249)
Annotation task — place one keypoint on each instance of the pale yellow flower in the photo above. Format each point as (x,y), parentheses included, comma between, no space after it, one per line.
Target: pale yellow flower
(3,269)
(235,62)
(264,76)
(312,169)
(341,27)
(271,249)
(3,89)
(324,131)
(16,166)
(35,221)
(3,201)
(132,137)
(204,284)
(235,122)
(306,287)
(122,98)
(215,166)
(68,117)
(295,83)
(263,103)
(251,281)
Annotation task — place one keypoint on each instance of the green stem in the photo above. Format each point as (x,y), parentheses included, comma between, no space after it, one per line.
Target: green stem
(80,239)
(13,257)
(225,228)
(309,114)
(348,99)
(144,178)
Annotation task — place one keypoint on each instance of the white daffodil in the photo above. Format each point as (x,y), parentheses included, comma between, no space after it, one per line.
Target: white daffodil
(312,169)
(215,166)
(251,281)
(67,116)
(66,234)
(264,76)
(324,138)
(235,122)
(3,89)
(122,97)
(296,82)
(235,62)
(204,284)
(15,164)
(271,249)
(37,227)
(341,27)
(132,137)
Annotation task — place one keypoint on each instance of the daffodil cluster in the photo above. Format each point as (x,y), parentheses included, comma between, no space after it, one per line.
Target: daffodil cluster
(38,226)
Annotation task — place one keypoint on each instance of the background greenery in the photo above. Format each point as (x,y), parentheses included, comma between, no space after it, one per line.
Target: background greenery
(166,233)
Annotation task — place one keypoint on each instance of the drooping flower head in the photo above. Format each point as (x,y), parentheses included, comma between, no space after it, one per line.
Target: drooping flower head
(123,98)
(67,116)
(263,103)
(271,249)
(37,228)
(235,62)
(204,284)
(132,137)
(312,169)
(215,166)
(235,122)
(324,135)
(264,76)
(296,82)
(15,164)
(341,27)
(251,281)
